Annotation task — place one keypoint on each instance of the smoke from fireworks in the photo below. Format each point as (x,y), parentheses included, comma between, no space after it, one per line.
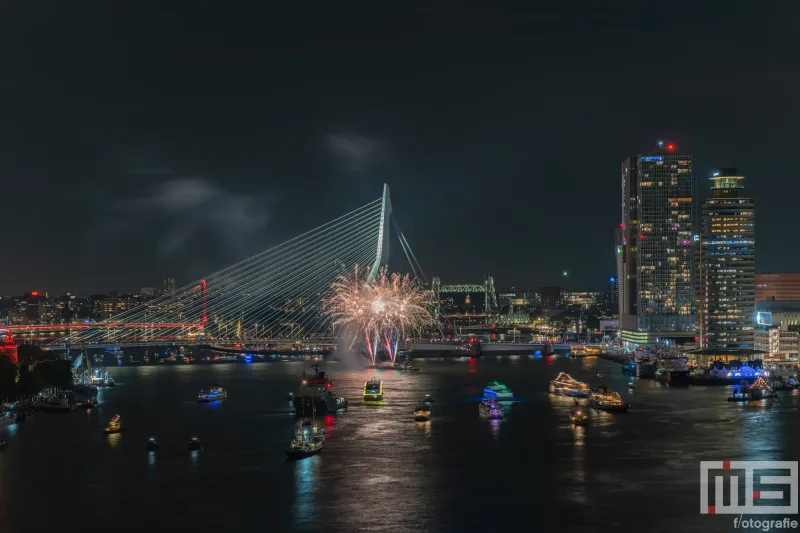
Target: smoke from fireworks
(383,310)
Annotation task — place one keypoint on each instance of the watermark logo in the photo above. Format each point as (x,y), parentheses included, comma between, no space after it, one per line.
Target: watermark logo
(769,487)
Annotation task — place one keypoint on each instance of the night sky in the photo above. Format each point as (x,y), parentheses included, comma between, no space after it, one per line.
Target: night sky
(141,139)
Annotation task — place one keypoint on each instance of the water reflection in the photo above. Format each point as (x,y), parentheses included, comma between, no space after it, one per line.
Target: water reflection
(305,507)
(425,428)
(194,458)
(151,460)
(12,430)
(114,439)
(494,426)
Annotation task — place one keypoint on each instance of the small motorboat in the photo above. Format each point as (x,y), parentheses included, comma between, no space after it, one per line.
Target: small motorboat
(600,375)
(422,413)
(579,417)
(152,445)
(3,443)
(114,426)
(428,400)
(212,395)
(194,444)
(89,404)
(631,386)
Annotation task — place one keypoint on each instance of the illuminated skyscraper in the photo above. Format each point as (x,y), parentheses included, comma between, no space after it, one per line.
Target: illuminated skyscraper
(169,285)
(726,267)
(656,292)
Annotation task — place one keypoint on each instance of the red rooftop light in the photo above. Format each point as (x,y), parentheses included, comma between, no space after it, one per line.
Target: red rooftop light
(670,147)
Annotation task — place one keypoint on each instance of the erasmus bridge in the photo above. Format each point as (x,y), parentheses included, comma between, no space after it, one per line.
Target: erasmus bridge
(275,297)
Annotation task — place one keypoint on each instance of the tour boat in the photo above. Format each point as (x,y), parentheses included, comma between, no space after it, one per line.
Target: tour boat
(152,445)
(497,391)
(373,390)
(114,425)
(755,392)
(194,444)
(212,395)
(316,396)
(490,409)
(579,417)
(422,413)
(565,385)
(608,400)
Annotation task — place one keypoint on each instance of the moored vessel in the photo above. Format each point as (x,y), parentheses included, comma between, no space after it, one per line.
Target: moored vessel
(607,400)
(212,394)
(373,390)
(490,408)
(194,444)
(566,385)
(498,391)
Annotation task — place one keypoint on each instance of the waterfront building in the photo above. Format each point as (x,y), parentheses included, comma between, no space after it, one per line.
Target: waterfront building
(778,286)
(550,298)
(726,267)
(612,295)
(169,285)
(656,287)
(584,300)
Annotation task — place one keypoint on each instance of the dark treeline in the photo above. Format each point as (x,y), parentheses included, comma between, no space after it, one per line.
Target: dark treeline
(36,371)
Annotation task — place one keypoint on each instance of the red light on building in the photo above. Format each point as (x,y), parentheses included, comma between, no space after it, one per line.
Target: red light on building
(670,147)
(494,336)
(621,224)
(34,293)
(641,236)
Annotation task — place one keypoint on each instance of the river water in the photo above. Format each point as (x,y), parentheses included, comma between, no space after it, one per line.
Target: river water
(380,470)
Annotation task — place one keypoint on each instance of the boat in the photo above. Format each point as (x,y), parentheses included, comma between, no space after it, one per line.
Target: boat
(404,366)
(89,404)
(607,400)
(3,443)
(566,385)
(758,391)
(152,445)
(114,426)
(428,400)
(212,394)
(498,391)
(308,440)
(422,413)
(373,390)
(491,409)
(631,386)
(194,444)
(316,396)
(300,449)
(579,417)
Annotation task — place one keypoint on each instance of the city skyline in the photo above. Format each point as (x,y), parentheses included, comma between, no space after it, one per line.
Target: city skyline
(193,166)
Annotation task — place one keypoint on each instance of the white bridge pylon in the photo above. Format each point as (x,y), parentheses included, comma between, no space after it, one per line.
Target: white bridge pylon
(277,294)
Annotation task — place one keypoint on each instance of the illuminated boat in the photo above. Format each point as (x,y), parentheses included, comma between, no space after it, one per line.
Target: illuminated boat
(194,444)
(373,390)
(300,449)
(428,400)
(316,396)
(498,391)
(152,445)
(422,413)
(212,395)
(565,385)
(114,426)
(607,400)
(89,404)
(756,392)
(491,409)
(579,417)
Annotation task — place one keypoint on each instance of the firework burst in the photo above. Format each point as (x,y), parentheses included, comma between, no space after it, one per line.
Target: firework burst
(383,310)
